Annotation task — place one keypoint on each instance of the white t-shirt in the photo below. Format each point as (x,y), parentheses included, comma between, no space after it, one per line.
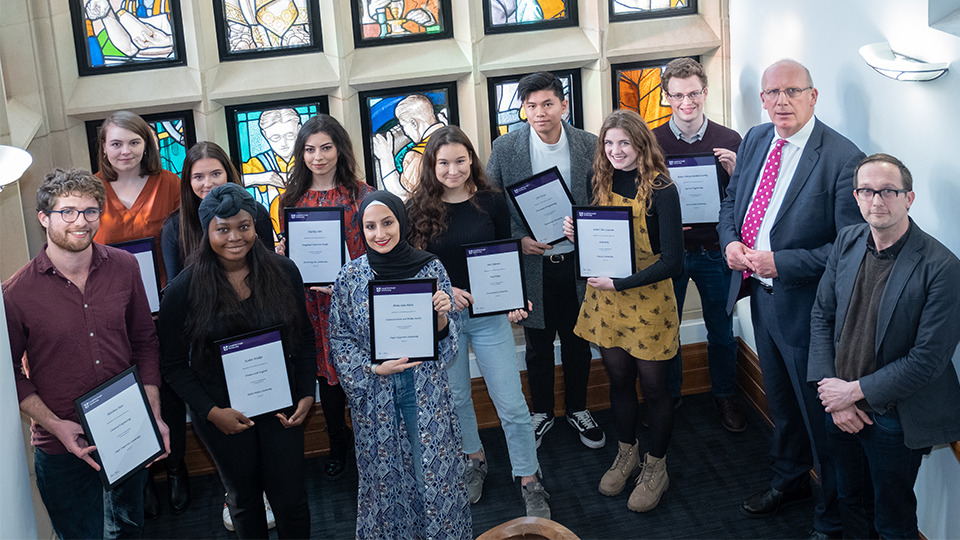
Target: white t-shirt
(542,157)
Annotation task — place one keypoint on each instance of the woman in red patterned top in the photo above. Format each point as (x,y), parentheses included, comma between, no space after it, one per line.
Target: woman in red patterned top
(324,173)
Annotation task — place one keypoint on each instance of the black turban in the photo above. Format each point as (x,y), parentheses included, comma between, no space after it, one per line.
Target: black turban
(224,202)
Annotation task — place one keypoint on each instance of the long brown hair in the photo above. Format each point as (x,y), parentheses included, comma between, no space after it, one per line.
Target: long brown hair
(149,164)
(650,160)
(300,177)
(190,232)
(426,211)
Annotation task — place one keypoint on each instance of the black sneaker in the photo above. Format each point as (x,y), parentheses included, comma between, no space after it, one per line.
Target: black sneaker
(541,424)
(590,433)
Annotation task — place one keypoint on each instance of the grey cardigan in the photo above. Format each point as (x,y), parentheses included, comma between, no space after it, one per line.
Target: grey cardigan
(510,164)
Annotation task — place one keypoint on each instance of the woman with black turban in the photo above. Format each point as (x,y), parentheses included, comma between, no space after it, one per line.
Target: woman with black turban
(236,286)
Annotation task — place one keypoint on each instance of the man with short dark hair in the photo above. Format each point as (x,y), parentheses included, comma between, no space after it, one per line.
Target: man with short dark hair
(77,315)
(684,82)
(787,199)
(544,142)
(883,333)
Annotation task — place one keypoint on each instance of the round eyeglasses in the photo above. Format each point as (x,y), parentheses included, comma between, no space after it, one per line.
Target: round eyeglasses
(69,215)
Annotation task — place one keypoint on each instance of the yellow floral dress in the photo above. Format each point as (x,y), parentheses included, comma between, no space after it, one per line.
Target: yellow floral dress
(642,320)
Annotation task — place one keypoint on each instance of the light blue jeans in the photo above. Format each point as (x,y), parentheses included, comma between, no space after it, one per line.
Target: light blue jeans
(496,352)
(405,405)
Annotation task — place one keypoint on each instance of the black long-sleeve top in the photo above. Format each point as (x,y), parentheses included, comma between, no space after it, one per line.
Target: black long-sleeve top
(202,385)
(468,224)
(664,227)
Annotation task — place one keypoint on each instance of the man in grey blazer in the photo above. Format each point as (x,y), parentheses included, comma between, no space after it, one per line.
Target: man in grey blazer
(547,141)
(883,334)
(786,201)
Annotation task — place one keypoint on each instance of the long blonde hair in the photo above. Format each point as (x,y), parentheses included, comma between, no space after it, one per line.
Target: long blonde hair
(650,161)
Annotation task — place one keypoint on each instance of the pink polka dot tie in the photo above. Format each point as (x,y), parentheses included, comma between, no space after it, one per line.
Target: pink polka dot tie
(751,224)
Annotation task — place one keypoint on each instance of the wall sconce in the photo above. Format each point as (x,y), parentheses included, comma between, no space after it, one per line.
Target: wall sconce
(881,57)
(13,163)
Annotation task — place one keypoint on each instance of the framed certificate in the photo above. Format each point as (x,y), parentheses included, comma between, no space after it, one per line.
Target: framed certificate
(255,369)
(495,277)
(603,236)
(697,177)
(117,419)
(145,250)
(402,320)
(543,201)
(316,242)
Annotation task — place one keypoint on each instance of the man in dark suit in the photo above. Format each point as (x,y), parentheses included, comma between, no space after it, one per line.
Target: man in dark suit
(883,333)
(787,199)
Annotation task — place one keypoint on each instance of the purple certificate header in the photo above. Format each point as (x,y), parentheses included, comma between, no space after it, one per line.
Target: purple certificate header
(604,214)
(401,288)
(136,246)
(534,183)
(250,342)
(314,215)
(480,251)
(695,161)
(109,392)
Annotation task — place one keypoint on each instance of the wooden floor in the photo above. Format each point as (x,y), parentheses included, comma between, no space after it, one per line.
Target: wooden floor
(696,380)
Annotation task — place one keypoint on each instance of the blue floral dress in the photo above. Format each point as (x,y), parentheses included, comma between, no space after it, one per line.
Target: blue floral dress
(388,502)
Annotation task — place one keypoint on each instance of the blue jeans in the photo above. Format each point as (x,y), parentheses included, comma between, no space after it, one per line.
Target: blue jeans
(875,477)
(496,352)
(78,505)
(405,404)
(710,273)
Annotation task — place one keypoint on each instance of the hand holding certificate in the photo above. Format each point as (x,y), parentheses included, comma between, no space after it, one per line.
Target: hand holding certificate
(117,419)
(495,277)
(403,321)
(697,177)
(316,242)
(255,369)
(604,239)
(543,200)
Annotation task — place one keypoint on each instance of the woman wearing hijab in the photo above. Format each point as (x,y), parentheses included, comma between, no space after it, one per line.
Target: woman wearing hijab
(236,286)
(407,434)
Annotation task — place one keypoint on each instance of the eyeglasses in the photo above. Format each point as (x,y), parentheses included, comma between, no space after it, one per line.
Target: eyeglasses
(284,137)
(866,194)
(791,93)
(69,215)
(692,95)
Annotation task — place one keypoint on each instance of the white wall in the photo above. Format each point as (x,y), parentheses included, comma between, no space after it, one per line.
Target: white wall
(916,122)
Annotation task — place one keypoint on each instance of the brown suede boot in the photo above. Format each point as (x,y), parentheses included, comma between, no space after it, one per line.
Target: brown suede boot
(651,484)
(625,466)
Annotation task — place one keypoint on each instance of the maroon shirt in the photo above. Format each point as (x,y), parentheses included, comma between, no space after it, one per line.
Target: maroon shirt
(76,341)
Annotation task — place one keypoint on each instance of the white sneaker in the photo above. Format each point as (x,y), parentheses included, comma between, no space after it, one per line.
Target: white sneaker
(271,521)
(227,518)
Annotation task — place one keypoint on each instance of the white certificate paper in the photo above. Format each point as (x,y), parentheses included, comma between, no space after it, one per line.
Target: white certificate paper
(117,419)
(256,372)
(316,243)
(604,239)
(697,180)
(543,201)
(403,323)
(145,252)
(495,277)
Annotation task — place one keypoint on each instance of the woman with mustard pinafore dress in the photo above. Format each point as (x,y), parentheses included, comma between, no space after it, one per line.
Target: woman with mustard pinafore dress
(634,320)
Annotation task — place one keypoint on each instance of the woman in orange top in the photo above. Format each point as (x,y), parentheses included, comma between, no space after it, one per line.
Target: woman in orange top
(140,194)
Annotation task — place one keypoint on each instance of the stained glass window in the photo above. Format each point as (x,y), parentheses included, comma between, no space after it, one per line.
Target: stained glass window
(397,123)
(383,22)
(175,134)
(637,87)
(261,144)
(249,28)
(622,10)
(506,110)
(124,35)
(522,15)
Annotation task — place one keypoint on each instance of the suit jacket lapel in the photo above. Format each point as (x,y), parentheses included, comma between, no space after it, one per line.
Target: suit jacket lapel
(751,174)
(847,269)
(808,159)
(903,268)
(522,149)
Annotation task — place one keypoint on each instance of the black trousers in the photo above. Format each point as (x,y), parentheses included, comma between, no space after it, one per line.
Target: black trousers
(173,411)
(561,307)
(266,457)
